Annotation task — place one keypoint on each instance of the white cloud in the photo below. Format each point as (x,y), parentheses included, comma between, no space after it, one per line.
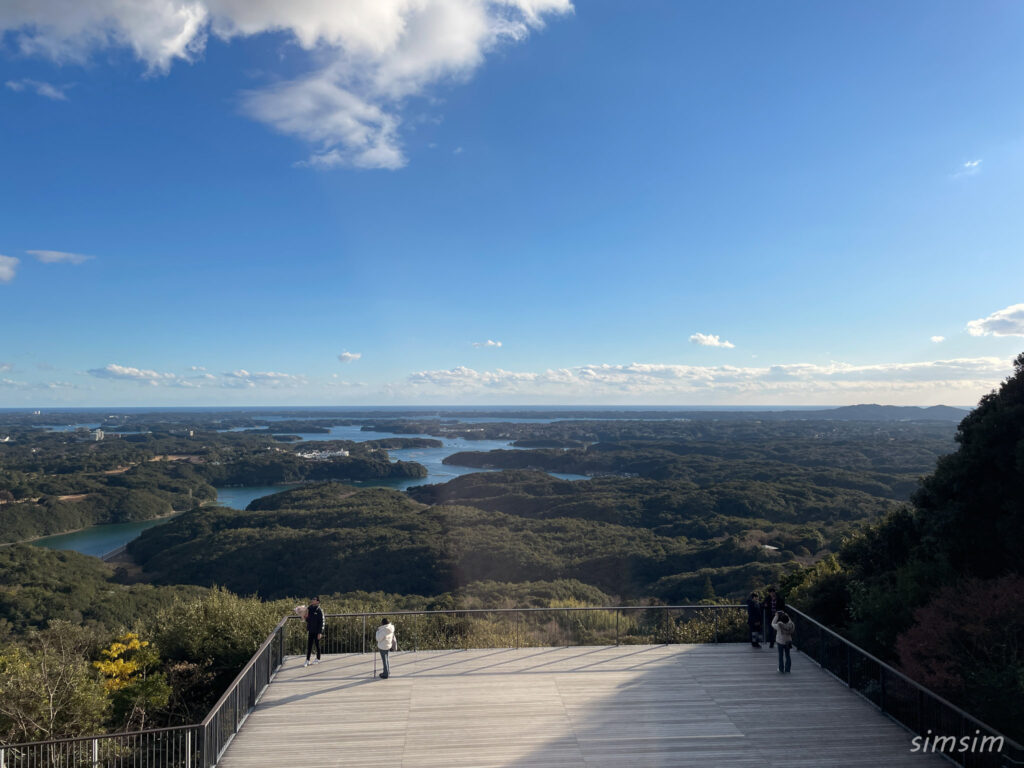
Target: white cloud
(963,380)
(487,343)
(128,373)
(1005,322)
(244,378)
(49,90)
(371,55)
(4,367)
(59,257)
(710,340)
(938,339)
(969,168)
(197,367)
(8,268)
(349,357)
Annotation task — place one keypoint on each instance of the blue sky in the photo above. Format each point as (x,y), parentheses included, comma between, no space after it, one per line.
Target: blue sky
(522,202)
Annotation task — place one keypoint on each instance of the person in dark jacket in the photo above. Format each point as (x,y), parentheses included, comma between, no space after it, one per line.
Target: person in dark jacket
(754,619)
(773,603)
(314,629)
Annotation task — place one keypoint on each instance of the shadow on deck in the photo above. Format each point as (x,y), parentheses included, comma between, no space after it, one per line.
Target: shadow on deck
(677,705)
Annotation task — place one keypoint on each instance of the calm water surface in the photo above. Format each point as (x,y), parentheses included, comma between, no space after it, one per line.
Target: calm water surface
(98,540)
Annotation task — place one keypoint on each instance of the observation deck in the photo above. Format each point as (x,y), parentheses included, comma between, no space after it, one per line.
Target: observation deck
(721,705)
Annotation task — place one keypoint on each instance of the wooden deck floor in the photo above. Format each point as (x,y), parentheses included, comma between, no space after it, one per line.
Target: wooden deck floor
(713,706)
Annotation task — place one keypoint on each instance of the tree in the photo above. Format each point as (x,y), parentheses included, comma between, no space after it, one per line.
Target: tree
(966,644)
(47,688)
(132,680)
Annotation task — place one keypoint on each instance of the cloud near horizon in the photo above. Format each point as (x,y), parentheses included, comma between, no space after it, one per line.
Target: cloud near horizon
(240,378)
(1005,322)
(785,384)
(349,357)
(487,343)
(370,56)
(710,340)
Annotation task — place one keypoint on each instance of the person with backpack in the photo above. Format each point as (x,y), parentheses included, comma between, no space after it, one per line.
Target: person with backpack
(387,641)
(784,628)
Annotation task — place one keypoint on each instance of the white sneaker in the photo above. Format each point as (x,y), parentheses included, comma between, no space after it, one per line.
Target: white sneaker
(317,661)
(306,664)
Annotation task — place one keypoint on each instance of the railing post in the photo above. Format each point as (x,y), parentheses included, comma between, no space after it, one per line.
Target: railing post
(518,614)
(881,683)
(188,749)
(849,666)
(618,612)
(364,635)
(96,752)
(921,712)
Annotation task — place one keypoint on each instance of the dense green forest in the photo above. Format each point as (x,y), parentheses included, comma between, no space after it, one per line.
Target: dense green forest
(51,482)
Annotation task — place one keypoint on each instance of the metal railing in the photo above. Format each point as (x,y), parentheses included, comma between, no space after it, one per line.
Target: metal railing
(230,711)
(201,746)
(974,744)
(530,628)
(163,747)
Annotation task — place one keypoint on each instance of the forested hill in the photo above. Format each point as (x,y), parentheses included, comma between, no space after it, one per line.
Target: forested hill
(936,585)
(735,508)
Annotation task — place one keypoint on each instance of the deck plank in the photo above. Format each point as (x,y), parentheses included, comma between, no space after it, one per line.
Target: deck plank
(646,706)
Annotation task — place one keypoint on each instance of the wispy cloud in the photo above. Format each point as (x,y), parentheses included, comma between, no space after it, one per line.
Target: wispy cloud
(372,56)
(128,373)
(1005,322)
(8,268)
(59,257)
(244,378)
(710,340)
(969,168)
(349,357)
(197,377)
(4,367)
(487,343)
(963,379)
(48,90)
(938,339)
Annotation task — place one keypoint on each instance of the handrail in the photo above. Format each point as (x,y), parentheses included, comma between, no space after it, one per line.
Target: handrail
(893,671)
(124,734)
(530,610)
(238,678)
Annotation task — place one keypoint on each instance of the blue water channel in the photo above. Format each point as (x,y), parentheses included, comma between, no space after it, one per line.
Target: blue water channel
(99,540)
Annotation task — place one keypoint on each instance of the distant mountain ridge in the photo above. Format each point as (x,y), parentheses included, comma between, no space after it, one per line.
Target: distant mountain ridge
(873,412)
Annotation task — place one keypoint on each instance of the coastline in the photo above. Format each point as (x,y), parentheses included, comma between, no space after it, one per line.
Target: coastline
(170,514)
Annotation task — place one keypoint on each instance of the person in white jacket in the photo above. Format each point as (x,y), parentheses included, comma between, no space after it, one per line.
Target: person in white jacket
(386,642)
(784,627)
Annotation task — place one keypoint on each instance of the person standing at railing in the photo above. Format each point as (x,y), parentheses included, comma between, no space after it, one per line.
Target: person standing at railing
(784,626)
(754,619)
(314,629)
(773,603)
(387,641)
